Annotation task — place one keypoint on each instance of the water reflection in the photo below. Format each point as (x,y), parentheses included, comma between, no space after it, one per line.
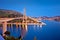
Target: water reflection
(23,31)
(1,30)
(49,32)
(17,30)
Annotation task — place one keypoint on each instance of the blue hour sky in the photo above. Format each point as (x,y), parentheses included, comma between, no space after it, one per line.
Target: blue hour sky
(33,7)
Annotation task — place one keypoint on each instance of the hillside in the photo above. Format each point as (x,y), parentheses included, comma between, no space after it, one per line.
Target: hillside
(9,13)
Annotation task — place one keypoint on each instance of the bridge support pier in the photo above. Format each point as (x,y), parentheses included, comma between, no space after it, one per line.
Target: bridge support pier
(24,26)
(17,25)
(4,28)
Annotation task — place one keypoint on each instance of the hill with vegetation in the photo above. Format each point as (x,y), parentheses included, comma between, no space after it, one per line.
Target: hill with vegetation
(9,13)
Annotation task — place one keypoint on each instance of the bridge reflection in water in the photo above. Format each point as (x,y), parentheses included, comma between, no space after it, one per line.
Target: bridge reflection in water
(24,23)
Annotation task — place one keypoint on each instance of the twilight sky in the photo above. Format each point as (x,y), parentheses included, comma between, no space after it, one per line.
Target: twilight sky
(33,7)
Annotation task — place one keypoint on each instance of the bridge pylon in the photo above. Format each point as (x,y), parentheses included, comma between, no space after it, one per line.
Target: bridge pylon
(4,28)
(24,22)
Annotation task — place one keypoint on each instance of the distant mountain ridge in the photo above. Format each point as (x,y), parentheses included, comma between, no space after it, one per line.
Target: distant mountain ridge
(9,13)
(54,18)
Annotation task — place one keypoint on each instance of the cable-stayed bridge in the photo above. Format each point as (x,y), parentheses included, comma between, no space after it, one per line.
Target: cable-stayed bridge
(24,23)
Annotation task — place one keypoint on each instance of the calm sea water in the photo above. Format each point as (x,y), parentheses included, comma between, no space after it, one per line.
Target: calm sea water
(51,31)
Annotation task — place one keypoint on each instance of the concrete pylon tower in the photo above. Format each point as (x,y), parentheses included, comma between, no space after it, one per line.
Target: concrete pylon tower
(24,11)
(24,15)
(24,19)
